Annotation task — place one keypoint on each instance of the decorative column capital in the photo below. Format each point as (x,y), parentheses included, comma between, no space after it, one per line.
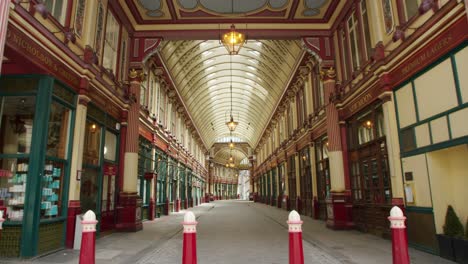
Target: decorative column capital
(328,74)
(136,75)
(83,100)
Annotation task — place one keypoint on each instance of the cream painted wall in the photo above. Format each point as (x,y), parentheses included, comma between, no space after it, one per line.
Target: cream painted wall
(405,102)
(420,184)
(448,172)
(439,130)
(458,124)
(422,135)
(435,90)
(461,59)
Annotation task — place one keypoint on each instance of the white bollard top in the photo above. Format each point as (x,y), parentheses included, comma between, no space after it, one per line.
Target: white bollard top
(1,214)
(396,212)
(294,222)
(189,217)
(397,219)
(294,216)
(89,216)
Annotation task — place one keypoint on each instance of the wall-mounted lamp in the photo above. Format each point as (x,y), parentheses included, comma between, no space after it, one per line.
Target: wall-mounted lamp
(93,128)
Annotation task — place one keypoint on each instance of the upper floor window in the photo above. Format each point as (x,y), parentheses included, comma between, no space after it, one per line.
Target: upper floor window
(290,120)
(111,41)
(301,107)
(317,88)
(57,8)
(354,41)
(411,8)
(143,92)
(366,28)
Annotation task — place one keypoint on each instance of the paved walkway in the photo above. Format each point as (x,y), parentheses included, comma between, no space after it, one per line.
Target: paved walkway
(237,232)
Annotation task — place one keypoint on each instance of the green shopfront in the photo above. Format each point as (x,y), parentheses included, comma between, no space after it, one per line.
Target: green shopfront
(37,119)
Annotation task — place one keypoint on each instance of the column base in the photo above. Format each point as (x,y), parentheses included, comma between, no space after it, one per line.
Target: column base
(166,207)
(299,205)
(288,204)
(74,209)
(177,205)
(339,211)
(151,206)
(316,208)
(186,204)
(129,213)
(279,201)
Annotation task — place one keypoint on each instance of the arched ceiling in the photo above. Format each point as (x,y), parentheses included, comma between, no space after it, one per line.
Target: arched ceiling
(203,73)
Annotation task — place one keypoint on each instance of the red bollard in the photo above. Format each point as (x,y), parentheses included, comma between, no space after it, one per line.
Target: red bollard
(296,253)
(399,239)
(1,222)
(88,239)
(189,253)
(177,205)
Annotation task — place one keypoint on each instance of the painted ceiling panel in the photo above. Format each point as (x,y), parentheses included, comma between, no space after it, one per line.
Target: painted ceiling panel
(203,73)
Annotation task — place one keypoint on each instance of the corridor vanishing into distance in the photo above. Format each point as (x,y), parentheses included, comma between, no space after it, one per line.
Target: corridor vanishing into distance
(139,110)
(235,232)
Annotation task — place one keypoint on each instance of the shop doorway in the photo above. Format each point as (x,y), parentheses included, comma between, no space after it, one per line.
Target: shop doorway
(108,197)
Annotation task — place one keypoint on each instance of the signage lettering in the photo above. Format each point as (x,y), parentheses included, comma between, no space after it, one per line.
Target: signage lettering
(361,102)
(24,46)
(428,54)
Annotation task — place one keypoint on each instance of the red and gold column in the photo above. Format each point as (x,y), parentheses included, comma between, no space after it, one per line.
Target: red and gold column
(129,215)
(74,207)
(338,217)
(4,11)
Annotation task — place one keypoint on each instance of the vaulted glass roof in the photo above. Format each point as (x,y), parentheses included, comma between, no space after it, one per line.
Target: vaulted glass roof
(203,73)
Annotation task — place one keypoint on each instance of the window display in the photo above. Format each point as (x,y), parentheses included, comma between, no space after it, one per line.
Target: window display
(52,189)
(13,179)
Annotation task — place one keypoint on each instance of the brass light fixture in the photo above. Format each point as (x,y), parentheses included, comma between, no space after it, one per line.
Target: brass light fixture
(233,40)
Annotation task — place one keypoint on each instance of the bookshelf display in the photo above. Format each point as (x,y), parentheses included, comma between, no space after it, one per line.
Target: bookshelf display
(13,179)
(51,189)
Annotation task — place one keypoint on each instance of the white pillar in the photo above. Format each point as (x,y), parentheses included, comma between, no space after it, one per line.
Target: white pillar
(393,144)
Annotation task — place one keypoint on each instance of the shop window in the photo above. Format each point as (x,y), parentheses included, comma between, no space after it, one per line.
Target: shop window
(110,147)
(408,139)
(292,180)
(92,145)
(57,8)
(99,27)
(111,41)
(16,124)
(145,162)
(89,189)
(370,180)
(58,132)
(52,188)
(13,180)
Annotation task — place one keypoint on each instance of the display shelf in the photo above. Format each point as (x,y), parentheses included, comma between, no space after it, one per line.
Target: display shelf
(51,189)
(14,194)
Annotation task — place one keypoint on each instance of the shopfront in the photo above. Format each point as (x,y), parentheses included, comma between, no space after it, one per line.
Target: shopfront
(292,195)
(432,110)
(371,187)
(37,119)
(161,186)
(145,167)
(322,165)
(98,190)
(306,182)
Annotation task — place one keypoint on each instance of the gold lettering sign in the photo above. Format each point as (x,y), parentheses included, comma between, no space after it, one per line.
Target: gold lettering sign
(361,102)
(428,54)
(24,46)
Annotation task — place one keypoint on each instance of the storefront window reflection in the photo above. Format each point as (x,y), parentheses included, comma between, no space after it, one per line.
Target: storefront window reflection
(110,148)
(16,124)
(58,132)
(91,152)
